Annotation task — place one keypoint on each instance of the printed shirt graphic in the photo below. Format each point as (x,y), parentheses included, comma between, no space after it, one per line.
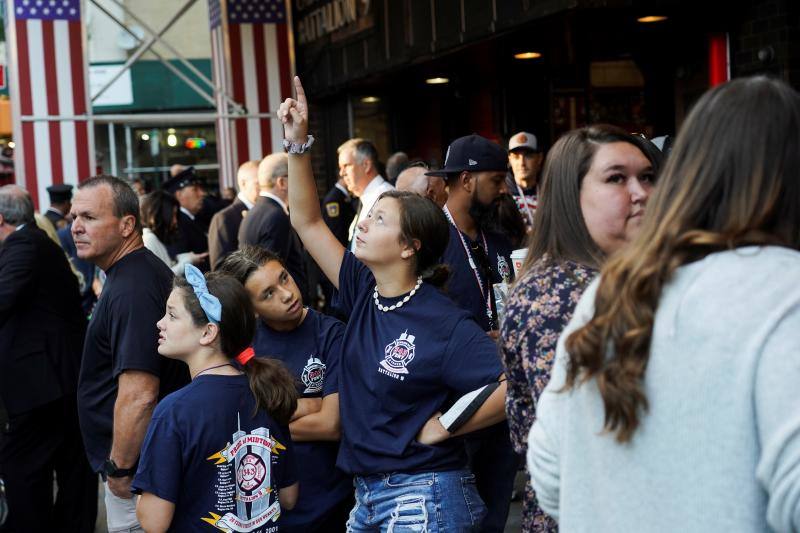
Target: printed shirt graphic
(222,467)
(311,352)
(398,368)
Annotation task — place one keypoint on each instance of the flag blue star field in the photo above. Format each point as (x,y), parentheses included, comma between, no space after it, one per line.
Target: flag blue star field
(257,74)
(48,74)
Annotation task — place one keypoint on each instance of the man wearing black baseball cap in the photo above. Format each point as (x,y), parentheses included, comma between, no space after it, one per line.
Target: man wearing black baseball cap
(475,170)
(191,237)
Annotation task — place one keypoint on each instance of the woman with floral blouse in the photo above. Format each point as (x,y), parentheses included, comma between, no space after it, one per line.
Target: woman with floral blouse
(595,186)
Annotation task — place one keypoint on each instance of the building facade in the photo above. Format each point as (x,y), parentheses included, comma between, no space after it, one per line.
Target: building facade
(412,75)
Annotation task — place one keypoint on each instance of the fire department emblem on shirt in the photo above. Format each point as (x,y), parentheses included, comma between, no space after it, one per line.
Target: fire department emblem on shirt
(398,354)
(502,268)
(313,375)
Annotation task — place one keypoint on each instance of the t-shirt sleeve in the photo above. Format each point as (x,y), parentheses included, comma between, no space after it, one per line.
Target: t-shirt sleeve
(134,336)
(160,467)
(471,359)
(332,348)
(287,466)
(354,279)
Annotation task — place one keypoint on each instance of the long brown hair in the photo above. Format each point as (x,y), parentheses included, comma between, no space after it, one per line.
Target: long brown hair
(272,384)
(730,181)
(559,230)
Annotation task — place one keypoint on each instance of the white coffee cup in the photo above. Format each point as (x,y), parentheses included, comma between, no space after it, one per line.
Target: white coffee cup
(517,259)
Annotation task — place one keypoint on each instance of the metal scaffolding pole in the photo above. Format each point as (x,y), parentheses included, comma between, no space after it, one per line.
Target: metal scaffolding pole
(235,106)
(161,58)
(112,149)
(143,47)
(128,149)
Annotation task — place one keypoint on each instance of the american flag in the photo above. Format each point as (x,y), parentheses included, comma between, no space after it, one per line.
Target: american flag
(253,66)
(49,79)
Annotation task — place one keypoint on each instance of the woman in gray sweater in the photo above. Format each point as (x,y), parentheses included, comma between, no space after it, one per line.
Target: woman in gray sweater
(674,403)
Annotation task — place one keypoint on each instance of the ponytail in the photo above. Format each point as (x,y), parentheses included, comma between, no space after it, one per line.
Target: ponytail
(437,275)
(273,387)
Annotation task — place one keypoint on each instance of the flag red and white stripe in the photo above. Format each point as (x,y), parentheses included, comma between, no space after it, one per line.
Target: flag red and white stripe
(255,61)
(48,80)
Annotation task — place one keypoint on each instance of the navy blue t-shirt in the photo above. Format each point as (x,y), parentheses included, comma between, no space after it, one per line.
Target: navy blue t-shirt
(311,353)
(221,466)
(400,367)
(122,335)
(462,287)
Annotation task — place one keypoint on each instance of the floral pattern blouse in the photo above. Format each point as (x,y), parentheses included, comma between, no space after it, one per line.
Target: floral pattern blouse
(538,308)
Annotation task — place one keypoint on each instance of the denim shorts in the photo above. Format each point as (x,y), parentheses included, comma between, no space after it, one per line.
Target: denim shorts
(430,502)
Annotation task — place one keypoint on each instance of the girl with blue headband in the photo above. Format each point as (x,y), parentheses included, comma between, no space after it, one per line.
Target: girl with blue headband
(217,453)
(407,353)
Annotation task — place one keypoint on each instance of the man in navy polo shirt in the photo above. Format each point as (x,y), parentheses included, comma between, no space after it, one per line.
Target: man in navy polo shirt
(475,169)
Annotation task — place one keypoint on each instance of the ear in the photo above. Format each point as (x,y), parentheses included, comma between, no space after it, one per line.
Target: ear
(410,249)
(282,182)
(210,334)
(467,181)
(367,164)
(127,225)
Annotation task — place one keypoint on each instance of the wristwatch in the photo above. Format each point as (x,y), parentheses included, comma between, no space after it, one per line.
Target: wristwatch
(298,148)
(111,469)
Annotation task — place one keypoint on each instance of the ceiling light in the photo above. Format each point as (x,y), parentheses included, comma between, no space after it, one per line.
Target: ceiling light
(11,144)
(172,140)
(437,81)
(651,18)
(370,100)
(527,55)
(171,130)
(145,137)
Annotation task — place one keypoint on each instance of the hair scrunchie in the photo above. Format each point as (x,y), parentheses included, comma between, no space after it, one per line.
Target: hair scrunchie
(245,356)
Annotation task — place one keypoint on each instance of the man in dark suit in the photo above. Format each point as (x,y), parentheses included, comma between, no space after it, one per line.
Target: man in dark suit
(41,338)
(60,197)
(191,236)
(339,210)
(88,297)
(223,236)
(268,225)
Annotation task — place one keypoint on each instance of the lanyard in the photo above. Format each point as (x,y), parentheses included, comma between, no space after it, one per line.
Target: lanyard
(485,294)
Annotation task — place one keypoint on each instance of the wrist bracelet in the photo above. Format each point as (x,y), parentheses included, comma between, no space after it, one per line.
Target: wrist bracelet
(292,147)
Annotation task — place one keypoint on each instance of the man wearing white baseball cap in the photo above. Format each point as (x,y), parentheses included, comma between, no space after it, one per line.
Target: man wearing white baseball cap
(525,157)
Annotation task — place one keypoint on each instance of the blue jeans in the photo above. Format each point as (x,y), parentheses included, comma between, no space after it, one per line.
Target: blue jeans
(430,502)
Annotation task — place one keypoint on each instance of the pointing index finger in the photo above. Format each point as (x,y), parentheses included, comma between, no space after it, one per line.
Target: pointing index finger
(298,87)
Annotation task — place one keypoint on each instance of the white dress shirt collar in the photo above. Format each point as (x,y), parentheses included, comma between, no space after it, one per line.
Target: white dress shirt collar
(280,202)
(187,213)
(244,200)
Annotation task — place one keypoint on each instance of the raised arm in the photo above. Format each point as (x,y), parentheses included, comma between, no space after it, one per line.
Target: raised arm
(304,210)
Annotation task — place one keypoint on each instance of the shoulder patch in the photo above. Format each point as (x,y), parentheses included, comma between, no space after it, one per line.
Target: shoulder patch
(332,208)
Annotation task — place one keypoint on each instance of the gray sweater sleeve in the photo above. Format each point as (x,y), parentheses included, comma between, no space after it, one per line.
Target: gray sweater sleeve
(777,407)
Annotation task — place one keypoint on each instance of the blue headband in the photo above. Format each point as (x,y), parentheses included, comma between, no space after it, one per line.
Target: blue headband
(208,301)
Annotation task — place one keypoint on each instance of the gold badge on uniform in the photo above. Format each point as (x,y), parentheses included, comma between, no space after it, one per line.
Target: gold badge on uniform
(333,209)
